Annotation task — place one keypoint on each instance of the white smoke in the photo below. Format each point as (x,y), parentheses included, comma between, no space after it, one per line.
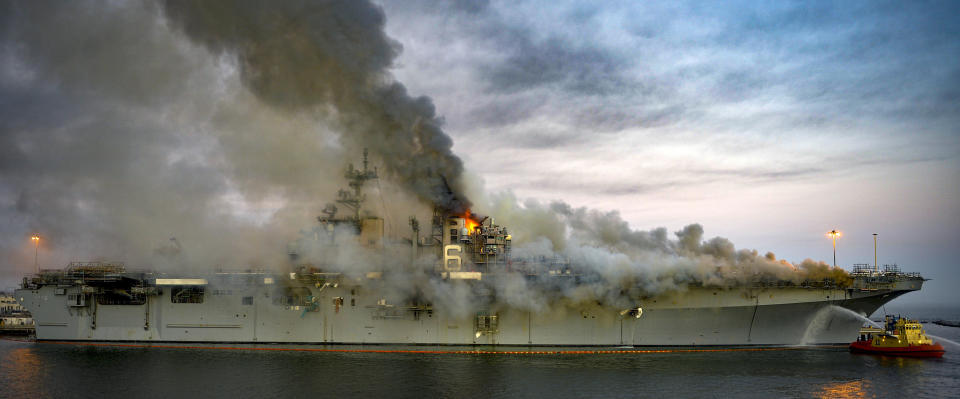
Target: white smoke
(194,135)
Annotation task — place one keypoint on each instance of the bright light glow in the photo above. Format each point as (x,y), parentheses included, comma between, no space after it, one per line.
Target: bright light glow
(35,237)
(469,222)
(833,234)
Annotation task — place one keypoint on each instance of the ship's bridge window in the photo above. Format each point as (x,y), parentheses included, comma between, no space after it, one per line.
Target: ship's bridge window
(187,294)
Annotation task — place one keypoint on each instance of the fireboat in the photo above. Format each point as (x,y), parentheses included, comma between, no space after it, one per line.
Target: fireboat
(899,337)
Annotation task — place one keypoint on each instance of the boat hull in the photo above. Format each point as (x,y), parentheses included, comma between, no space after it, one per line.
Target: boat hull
(347,315)
(934,350)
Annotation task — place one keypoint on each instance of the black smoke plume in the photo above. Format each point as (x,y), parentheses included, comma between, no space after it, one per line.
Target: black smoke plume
(332,57)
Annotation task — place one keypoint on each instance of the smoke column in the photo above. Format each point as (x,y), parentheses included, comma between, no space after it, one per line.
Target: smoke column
(332,57)
(127,125)
(197,134)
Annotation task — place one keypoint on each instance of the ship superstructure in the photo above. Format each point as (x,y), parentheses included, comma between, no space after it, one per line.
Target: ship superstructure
(318,301)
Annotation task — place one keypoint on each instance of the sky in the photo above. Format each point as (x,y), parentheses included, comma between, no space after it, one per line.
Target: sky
(767,123)
(770,123)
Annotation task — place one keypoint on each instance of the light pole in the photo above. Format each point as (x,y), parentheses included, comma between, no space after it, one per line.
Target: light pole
(36,251)
(875,270)
(834,234)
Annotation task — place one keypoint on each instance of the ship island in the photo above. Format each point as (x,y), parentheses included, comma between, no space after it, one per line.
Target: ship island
(320,303)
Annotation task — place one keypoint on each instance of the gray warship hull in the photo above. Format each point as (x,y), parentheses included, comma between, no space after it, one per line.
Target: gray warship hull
(462,253)
(354,314)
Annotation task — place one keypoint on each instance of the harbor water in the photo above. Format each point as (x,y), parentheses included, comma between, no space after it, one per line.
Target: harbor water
(37,370)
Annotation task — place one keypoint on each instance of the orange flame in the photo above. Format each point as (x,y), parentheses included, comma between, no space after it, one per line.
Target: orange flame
(469,222)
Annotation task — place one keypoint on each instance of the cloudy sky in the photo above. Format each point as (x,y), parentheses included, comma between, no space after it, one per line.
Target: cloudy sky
(768,123)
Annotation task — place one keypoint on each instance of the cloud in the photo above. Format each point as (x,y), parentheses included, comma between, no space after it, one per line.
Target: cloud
(553,62)
(105,107)
(617,67)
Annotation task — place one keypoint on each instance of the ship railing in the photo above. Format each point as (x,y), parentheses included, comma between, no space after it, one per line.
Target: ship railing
(889,274)
(815,284)
(862,269)
(901,276)
(96,267)
(45,277)
(891,269)
(894,273)
(94,272)
(882,281)
(81,273)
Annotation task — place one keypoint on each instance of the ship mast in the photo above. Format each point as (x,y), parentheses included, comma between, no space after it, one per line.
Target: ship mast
(356,178)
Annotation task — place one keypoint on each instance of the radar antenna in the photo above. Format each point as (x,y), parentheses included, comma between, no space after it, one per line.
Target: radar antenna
(353,200)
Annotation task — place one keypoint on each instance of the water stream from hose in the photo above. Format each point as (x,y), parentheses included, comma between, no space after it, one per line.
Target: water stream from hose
(853,314)
(820,321)
(942,339)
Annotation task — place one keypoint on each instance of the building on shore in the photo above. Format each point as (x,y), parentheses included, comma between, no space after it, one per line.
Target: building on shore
(14,319)
(9,305)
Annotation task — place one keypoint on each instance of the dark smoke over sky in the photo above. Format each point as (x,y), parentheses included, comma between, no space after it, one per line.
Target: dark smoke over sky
(331,57)
(768,123)
(125,124)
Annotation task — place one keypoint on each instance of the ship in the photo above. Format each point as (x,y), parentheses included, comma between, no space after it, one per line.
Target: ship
(899,337)
(318,302)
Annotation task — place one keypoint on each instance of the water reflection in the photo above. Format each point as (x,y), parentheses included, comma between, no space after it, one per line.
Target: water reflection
(849,389)
(21,368)
(46,370)
(901,362)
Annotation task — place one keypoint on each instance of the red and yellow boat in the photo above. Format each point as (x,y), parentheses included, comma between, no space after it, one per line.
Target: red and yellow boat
(901,337)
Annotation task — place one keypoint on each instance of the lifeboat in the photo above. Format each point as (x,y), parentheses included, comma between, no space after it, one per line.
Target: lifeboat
(900,337)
